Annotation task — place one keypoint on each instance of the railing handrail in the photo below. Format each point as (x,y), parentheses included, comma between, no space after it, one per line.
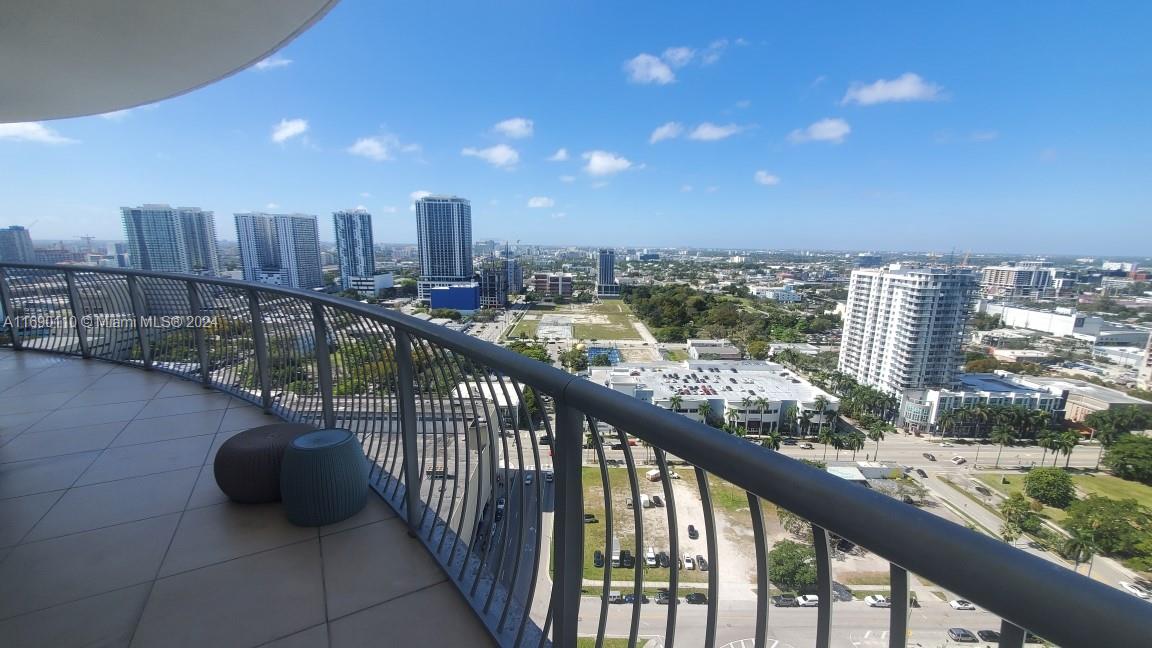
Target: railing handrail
(1032,593)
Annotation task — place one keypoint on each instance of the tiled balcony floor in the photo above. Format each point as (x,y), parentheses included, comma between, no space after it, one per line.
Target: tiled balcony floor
(113,533)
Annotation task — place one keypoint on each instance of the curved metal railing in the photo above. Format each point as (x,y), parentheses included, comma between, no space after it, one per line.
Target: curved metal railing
(496,460)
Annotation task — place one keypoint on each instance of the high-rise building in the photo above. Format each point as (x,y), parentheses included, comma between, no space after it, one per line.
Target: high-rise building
(16,245)
(280,249)
(444,240)
(904,327)
(493,279)
(1025,279)
(515,276)
(1144,371)
(171,239)
(354,249)
(606,285)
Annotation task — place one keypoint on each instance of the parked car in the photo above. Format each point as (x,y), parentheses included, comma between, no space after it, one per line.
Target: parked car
(808,600)
(548,476)
(693,534)
(1134,589)
(546,440)
(875,600)
(701,562)
(689,562)
(657,501)
(590,518)
(806,446)
(631,598)
(961,635)
(696,598)
(961,604)
(784,600)
(627,560)
(788,442)
(664,599)
(929,456)
(662,559)
(527,479)
(598,558)
(988,635)
(920,471)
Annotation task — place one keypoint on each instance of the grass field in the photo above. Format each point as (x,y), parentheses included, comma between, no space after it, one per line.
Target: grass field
(1114,487)
(619,329)
(1016,485)
(609,642)
(525,328)
(674,355)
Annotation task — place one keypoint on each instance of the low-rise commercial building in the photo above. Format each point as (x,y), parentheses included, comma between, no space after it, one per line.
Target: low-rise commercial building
(713,350)
(369,286)
(1083,398)
(921,409)
(552,284)
(754,395)
(461,297)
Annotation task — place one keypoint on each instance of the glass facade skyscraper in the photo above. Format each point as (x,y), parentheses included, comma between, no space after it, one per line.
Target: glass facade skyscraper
(444,241)
(354,245)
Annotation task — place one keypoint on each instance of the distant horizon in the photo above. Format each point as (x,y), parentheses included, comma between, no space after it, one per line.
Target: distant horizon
(41,242)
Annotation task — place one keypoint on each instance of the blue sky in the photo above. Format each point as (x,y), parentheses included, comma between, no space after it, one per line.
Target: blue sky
(995,126)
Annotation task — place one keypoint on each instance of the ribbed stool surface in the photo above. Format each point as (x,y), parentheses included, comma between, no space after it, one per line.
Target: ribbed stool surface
(324,478)
(247,466)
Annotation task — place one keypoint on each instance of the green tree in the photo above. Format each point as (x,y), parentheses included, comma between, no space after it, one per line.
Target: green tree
(705,411)
(530,349)
(876,433)
(854,441)
(792,566)
(794,524)
(1131,458)
(827,437)
(1051,486)
(675,403)
(601,360)
(1064,443)
(1119,527)
(1003,435)
(1017,512)
(758,349)
(1079,546)
(770,440)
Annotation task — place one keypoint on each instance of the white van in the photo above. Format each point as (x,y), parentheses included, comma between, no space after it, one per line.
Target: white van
(650,557)
(645,501)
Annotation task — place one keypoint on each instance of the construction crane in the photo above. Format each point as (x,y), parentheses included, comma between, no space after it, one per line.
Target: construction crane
(87,238)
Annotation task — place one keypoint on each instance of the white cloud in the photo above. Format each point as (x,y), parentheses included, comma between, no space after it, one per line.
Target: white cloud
(272,205)
(370,147)
(984,135)
(365,194)
(569,179)
(906,87)
(600,184)
(671,130)
(560,155)
(516,127)
(646,68)
(744,103)
(273,61)
(289,128)
(685,188)
(712,189)
(541,202)
(602,163)
(826,130)
(713,51)
(709,132)
(678,56)
(116,115)
(559,215)
(765,178)
(501,155)
(418,194)
(32,132)
(360,208)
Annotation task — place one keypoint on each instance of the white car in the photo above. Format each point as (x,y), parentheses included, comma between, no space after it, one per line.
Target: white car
(946,445)
(875,600)
(808,600)
(961,604)
(1135,590)
(957,460)
(689,562)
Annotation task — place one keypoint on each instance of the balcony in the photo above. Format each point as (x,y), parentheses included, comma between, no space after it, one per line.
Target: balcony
(116,387)
(113,532)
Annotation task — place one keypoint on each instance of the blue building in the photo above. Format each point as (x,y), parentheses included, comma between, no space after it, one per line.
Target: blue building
(462,297)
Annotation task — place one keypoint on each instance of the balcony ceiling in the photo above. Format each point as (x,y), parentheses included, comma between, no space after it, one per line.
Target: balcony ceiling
(63,58)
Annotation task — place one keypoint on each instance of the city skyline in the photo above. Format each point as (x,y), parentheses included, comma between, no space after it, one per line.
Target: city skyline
(931,143)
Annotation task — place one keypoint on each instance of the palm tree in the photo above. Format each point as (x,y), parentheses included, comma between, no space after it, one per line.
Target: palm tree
(806,417)
(771,440)
(1003,435)
(1065,443)
(1081,545)
(761,403)
(819,405)
(1045,439)
(947,421)
(675,402)
(876,433)
(705,411)
(789,418)
(1037,420)
(827,436)
(854,441)
(734,416)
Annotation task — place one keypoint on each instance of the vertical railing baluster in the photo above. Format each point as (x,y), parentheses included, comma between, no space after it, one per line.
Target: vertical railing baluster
(762,594)
(323,364)
(136,298)
(713,567)
(6,304)
(673,548)
(568,524)
(196,311)
(1011,635)
(77,313)
(898,613)
(406,393)
(823,587)
(260,344)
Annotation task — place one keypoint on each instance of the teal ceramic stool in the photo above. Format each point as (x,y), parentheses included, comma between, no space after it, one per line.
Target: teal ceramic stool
(323,477)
